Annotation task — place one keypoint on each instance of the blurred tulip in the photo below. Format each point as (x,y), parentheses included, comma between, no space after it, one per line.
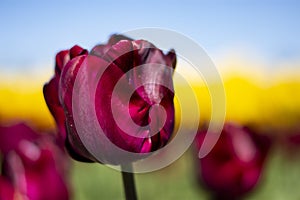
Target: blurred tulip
(6,189)
(121,55)
(235,164)
(33,166)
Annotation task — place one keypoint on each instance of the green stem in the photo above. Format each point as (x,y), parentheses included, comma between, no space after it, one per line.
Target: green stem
(128,182)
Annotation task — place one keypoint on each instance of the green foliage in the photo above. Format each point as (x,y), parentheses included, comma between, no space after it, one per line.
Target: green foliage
(279,181)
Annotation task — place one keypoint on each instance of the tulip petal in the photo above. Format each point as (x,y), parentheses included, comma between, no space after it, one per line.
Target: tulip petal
(50,91)
(73,144)
(60,61)
(101,50)
(7,191)
(11,136)
(121,54)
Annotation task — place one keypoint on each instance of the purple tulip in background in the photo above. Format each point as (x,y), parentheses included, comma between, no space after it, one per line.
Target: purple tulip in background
(120,56)
(235,164)
(33,165)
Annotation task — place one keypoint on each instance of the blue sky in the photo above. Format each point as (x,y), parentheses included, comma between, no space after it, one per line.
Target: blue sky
(33,31)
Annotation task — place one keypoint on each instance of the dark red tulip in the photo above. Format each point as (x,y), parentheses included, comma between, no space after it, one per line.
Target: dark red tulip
(120,56)
(33,164)
(235,164)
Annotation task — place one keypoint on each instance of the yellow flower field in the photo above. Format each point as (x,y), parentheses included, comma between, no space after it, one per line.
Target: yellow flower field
(273,102)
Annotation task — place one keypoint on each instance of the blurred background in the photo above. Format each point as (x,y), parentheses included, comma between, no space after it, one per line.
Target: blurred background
(255,45)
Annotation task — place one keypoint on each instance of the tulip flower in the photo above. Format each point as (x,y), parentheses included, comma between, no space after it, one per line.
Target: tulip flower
(138,122)
(33,165)
(235,164)
(120,55)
